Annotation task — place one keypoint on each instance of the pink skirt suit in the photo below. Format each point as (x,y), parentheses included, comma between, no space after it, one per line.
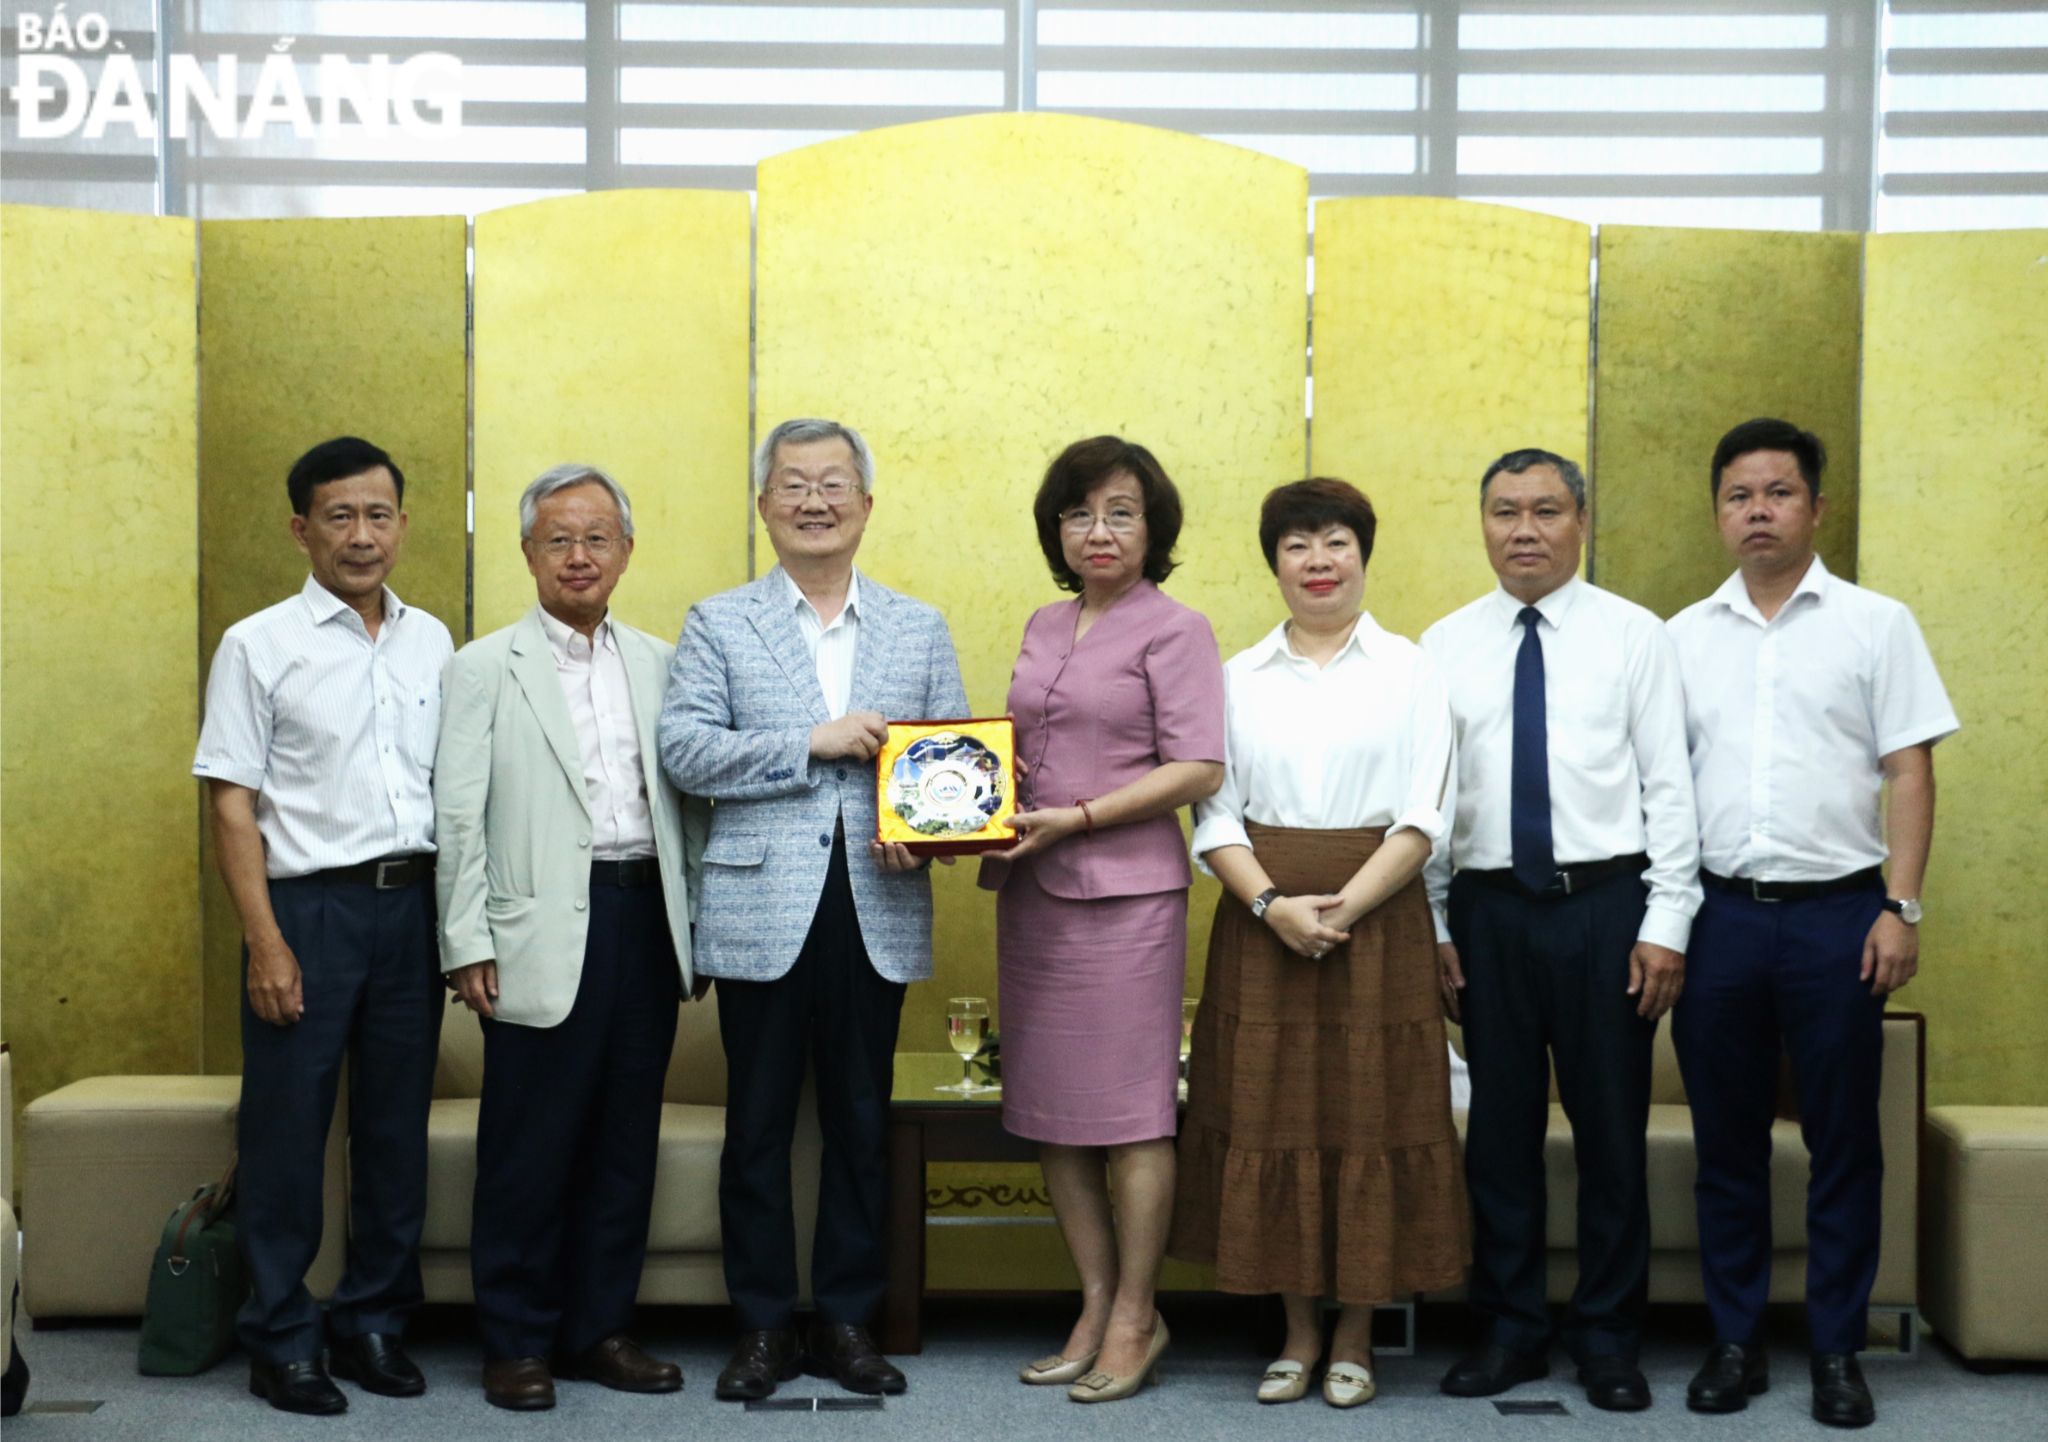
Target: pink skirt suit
(1091,935)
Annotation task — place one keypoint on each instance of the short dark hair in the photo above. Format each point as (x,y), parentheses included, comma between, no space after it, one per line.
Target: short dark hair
(1311,506)
(1530,457)
(1768,434)
(1083,466)
(337,460)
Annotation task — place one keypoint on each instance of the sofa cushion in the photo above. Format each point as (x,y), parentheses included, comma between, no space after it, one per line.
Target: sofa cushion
(685,1217)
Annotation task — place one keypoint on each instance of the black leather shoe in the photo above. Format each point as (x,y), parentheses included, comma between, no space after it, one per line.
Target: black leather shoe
(1731,1375)
(847,1354)
(302,1387)
(1614,1384)
(376,1363)
(1491,1370)
(1841,1398)
(759,1361)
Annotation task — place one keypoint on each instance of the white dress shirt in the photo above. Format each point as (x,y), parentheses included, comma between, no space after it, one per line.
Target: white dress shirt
(832,645)
(1620,780)
(600,698)
(1787,718)
(1362,741)
(333,731)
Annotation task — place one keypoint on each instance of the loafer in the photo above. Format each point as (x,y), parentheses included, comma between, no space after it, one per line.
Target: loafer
(1492,1370)
(1056,1370)
(618,1363)
(302,1387)
(847,1354)
(1732,1374)
(1841,1398)
(1108,1387)
(759,1361)
(1284,1381)
(519,1384)
(376,1363)
(1348,1384)
(1614,1384)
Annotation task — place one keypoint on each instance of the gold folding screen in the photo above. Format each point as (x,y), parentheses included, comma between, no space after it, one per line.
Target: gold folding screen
(1446,333)
(99,916)
(1700,330)
(1955,466)
(311,329)
(611,328)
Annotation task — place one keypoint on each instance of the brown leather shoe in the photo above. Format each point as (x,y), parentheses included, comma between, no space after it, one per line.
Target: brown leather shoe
(519,1384)
(618,1363)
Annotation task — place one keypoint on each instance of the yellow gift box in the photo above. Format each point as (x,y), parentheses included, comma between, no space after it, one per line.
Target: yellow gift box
(947,788)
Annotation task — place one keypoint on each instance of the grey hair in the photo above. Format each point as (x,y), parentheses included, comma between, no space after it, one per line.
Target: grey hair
(1516,462)
(561,478)
(804,430)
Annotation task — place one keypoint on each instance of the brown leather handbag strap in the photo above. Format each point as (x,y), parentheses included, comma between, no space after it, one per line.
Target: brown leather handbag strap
(210,1207)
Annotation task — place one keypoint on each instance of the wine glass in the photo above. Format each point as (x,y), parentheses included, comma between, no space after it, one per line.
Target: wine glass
(1189,1005)
(966,1030)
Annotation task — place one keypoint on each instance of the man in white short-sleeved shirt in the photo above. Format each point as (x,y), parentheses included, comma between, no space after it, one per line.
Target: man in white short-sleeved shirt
(1807,698)
(1563,896)
(322,714)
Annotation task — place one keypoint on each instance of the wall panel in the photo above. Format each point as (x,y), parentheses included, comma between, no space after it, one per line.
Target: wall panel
(311,329)
(1699,331)
(1955,524)
(99,917)
(1446,332)
(975,294)
(612,328)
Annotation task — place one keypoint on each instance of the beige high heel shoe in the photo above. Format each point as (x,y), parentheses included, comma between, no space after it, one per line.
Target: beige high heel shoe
(1348,1384)
(1284,1381)
(1056,1371)
(1104,1387)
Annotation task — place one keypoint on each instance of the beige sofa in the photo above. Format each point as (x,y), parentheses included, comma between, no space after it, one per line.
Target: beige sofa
(1986,1191)
(10,1234)
(683,1252)
(1674,1224)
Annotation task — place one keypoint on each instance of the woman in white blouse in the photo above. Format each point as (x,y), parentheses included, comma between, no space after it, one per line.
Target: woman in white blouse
(1318,1159)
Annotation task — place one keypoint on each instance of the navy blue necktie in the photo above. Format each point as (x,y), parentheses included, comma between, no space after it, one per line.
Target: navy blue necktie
(1535,864)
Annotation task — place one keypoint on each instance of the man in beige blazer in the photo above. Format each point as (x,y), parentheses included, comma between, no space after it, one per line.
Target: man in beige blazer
(567,880)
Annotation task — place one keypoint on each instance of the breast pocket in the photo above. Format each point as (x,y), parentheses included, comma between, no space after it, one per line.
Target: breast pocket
(1590,726)
(423,724)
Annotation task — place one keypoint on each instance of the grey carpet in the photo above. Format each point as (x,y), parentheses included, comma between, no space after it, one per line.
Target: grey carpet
(964,1389)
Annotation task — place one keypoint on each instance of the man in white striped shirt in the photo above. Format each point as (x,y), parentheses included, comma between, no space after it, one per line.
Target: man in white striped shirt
(322,714)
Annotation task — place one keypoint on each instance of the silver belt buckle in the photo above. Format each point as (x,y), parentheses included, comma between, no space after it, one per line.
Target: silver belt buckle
(1564,875)
(381,883)
(1756,893)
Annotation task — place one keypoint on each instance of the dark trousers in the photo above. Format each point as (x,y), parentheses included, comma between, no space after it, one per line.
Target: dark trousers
(566,1140)
(833,1010)
(1548,979)
(1764,976)
(372,985)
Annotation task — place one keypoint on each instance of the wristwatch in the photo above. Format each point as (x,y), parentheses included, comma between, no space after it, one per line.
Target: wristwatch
(1907,911)
(1263,900)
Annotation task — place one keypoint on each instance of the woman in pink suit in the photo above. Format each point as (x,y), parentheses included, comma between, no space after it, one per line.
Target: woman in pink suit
(1118,700)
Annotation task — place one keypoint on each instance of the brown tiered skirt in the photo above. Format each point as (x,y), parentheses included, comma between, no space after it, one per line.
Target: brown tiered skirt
(1317,1156)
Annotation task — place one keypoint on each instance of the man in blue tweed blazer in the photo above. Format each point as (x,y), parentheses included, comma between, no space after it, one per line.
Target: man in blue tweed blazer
(778,701)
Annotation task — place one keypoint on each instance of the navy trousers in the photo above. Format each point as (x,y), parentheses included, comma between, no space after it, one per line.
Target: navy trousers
(566,1140)
(371,975)
(833,1011)
(1764,976)
(1548,978)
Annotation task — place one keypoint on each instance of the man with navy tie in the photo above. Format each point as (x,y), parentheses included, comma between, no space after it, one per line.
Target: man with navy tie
(1563,895)
(1812,711)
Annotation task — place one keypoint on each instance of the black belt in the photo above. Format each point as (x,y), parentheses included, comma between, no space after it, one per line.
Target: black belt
(1870,879)
(634,871)
(388,873)
(1569,880)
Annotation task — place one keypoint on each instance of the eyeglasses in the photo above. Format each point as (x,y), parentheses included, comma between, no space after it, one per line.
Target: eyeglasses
(1121,520)
(832,490)
(598,544)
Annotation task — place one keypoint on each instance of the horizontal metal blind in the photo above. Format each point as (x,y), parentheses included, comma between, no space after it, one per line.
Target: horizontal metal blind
(1965,139)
